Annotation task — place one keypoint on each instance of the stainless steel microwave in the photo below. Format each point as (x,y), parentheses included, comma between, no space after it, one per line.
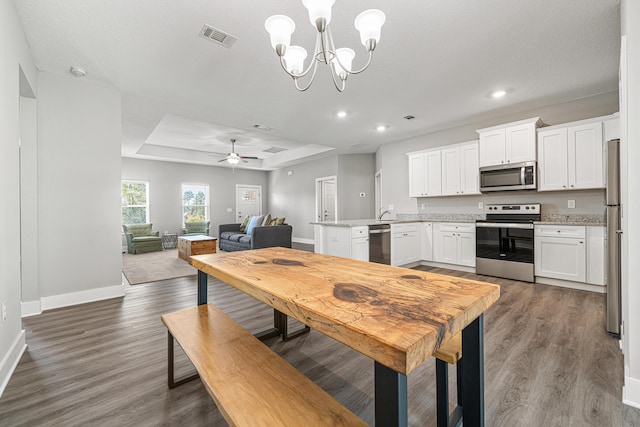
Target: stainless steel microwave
(512,176)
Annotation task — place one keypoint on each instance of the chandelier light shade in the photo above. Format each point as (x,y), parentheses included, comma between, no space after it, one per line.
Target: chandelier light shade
(280,28)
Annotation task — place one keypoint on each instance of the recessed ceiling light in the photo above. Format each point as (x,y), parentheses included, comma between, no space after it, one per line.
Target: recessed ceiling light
(341,114)
(381,128)
(77,71)
(498,94)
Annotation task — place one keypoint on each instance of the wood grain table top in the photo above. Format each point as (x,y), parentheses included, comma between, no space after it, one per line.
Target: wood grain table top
(393,315)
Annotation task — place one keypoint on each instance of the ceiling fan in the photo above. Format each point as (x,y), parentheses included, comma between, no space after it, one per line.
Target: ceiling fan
(234,158)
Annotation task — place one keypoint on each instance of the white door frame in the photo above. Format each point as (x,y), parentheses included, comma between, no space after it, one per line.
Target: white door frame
(319,195)
(256,187)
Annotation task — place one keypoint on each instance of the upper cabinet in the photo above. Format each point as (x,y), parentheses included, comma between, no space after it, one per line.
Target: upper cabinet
(571,156)
(425,174)
(509,143)
(460,169)
(445,171)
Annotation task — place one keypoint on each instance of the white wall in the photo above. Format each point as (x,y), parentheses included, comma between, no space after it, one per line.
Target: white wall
(79,139)
(393,161)
(14,53)
(631,224)
(165,190)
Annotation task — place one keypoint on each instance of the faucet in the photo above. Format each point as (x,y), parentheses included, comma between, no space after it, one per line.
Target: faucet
(382,214)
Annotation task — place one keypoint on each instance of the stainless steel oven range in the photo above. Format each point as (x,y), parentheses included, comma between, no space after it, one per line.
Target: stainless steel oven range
(504,241)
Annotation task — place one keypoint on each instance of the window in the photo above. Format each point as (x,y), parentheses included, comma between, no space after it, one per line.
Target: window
(195,202)
(135,202)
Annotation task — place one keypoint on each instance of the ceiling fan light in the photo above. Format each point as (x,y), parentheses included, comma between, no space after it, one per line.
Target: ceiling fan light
(233,160)
(294,59)
(319,9)
(369,24)
(280,28)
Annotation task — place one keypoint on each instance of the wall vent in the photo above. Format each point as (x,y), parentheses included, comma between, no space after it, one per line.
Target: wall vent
(274,150)
(409,117)
(217,36)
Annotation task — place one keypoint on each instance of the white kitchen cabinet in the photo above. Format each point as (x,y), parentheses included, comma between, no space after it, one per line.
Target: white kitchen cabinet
(460,169)
(425,237)
(425,174)
(596,255)
(405,247)
(571,156)
(454,243)
(561,252)
(346,242)
(509,143)
(360,243)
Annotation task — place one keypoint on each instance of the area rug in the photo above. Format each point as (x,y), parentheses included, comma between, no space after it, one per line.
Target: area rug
(154,266)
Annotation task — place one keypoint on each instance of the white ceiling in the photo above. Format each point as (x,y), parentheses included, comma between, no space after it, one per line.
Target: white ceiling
(184,97)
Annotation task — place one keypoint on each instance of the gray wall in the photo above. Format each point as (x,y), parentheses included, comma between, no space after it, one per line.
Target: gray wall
(165,188)
(294,196)
(356,175)
(392,159)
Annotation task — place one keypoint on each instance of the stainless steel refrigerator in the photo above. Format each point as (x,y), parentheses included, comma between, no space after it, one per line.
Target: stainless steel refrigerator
(614,231)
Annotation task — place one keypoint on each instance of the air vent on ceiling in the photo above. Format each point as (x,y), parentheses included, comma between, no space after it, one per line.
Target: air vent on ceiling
(274,150)
(262,127)
(409,117)
(217,36)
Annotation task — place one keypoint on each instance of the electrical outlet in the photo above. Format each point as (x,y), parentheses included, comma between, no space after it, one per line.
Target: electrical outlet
(571,204)
(390,207)
(480,205)
(423,206)
(4,311)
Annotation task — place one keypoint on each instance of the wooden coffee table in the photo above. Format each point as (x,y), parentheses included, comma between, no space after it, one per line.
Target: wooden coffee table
(196,245)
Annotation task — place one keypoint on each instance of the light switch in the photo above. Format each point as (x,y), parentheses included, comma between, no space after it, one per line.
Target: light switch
(390,207)
(571,204)
(229,209)
(480,205)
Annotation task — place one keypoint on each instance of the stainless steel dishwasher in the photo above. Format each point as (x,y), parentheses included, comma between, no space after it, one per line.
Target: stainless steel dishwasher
(380,243)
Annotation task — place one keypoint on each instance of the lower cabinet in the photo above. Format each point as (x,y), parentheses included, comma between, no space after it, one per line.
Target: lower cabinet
(454,243)
(569,252)
(425,236)
(405,246)
(346,242)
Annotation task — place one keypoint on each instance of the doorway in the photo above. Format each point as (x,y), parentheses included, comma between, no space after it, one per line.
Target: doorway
(326,198)
(248,200)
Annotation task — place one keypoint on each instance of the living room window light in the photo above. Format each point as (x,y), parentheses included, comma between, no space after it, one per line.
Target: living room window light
(195,202)
(135,202)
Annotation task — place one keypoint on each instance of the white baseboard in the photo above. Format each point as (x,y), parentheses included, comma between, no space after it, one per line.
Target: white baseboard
(631,392)
(90,295)
(572,285)
(11,359)
(302,240)
(30,308)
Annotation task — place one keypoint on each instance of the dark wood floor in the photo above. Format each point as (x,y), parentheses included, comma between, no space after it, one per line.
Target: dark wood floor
(548,362)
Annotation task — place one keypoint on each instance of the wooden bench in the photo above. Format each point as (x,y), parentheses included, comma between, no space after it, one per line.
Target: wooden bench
(449,352)
(250,384)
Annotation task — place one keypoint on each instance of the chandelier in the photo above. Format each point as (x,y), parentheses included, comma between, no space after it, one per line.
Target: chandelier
(280,28)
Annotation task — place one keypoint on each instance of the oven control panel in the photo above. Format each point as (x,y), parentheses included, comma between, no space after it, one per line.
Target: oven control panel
(528,208)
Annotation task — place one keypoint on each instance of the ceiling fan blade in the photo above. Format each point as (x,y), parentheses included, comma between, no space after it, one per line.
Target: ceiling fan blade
(223,160)
(249,157)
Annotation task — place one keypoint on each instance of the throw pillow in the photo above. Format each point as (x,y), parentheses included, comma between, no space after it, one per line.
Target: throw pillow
(266,220)
(254,222)
(280,221)
(273,221)
(243,226)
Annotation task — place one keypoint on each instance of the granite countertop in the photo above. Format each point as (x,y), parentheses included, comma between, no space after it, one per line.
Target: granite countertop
(403,218)
(576,219)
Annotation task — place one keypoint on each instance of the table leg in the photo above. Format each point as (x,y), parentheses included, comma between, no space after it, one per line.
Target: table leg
(202,287)
(390,397)
(473,374)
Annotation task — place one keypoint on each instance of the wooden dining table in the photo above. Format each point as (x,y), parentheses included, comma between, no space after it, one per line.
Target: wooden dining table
(396,316)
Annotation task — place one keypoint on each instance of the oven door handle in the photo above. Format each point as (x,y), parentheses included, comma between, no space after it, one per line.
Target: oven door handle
(504,225)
